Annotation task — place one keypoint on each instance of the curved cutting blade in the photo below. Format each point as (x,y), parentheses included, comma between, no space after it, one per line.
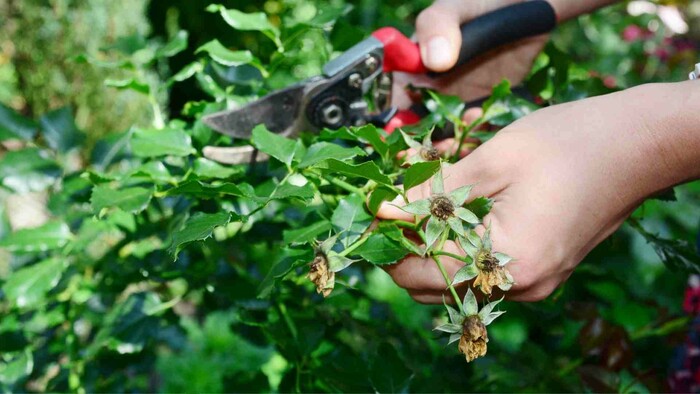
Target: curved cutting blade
(278,111)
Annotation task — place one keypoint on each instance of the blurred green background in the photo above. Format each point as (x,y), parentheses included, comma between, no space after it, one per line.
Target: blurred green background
(612,327)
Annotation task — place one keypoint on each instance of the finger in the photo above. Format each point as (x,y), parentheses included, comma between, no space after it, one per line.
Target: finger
(438,29)
(472,115)
(450,145)
(417,273)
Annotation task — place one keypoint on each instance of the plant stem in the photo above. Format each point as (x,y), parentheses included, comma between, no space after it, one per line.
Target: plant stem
(346,186)
(452,255)
(447,279)
(465,133)
(405,224)
(356,244)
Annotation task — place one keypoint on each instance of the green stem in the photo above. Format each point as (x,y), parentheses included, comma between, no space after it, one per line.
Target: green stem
(465,133)
(346,186)
(447,279)
(405,224)
(356,244)
(287,320)
(452,255)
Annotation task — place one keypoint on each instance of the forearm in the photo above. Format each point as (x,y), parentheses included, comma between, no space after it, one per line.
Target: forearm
(568,9)
(670,136)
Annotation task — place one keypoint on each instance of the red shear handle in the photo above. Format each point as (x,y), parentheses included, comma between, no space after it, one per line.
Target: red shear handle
(400,53)
(402,118)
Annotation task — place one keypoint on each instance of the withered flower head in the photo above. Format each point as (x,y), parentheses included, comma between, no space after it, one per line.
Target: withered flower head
(423,151)
(488,267)
(473,341)
(321,275)
(468,326)
(325,264)
(430,153)
(445,209)
(442,207)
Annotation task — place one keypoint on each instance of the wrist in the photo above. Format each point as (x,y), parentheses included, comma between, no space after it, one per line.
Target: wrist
(668,134)
(568,9)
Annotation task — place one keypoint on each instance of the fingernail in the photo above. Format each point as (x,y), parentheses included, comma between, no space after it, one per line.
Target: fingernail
(438,53)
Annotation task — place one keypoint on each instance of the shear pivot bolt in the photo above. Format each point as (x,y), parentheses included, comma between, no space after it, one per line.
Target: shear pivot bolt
(332,114)
(355,80)
(371,63)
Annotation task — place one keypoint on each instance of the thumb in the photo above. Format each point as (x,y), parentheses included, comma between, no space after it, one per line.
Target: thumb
(439,36)
(438,29)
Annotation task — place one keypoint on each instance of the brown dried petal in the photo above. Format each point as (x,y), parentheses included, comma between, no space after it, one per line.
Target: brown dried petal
(486,280)
(474,338)
(321,276)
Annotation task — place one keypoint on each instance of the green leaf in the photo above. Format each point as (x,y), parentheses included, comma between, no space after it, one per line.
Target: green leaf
(60,131)
(130,199)
(176,45)
(254,21)
(198,228)
(350,219)
(378,196)
(480,206)
(129,325)
(15,368)
(381,250)
(281,148)
(28,286)
(155,171)
(28,170)
(205,168)
(321,151)
(154,142)
(290,259)
(419,173)
(287,190)
(306,234)
(389,373)
(368,170)
(225,56)
(50,236)
(187,72)
(371,134)
(129,84)
(205,190)
(14,125)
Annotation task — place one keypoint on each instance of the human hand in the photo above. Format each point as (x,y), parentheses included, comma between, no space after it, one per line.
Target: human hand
(563,179)
(439,37)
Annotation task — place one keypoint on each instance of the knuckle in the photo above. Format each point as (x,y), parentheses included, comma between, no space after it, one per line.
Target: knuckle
(425,18)
(538,293)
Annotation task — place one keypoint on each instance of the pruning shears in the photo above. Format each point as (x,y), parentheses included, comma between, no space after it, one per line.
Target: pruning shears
(355,88)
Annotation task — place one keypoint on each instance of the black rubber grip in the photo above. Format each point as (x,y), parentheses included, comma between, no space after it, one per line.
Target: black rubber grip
(504,26)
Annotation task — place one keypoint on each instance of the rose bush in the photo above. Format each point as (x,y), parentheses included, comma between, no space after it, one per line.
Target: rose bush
(159,269)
